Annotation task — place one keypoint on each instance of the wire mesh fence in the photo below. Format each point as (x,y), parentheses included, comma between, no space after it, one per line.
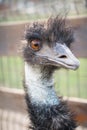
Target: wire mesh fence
(10,120)
(13,111)
(67,83)
(11,71)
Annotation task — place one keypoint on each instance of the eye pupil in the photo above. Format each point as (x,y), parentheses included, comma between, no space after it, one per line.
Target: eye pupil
(35,45)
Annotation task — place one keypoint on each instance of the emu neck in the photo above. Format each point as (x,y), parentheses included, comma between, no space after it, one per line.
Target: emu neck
(39,85)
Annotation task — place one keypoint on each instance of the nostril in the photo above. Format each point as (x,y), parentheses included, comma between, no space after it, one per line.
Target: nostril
(63,56)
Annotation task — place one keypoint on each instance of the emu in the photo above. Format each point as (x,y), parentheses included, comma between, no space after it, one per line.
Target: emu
(46,49)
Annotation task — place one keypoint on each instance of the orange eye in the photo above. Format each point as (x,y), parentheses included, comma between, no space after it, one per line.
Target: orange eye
(35,45)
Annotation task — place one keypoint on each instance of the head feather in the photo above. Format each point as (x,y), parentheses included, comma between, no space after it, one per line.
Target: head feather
(54,30)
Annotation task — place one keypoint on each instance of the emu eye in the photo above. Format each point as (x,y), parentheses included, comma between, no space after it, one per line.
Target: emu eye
(35,45)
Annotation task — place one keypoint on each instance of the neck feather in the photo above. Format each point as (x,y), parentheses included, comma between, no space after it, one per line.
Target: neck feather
(39,84)
(46,111)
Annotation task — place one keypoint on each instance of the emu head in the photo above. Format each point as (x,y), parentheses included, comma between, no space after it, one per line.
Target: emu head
(48,44)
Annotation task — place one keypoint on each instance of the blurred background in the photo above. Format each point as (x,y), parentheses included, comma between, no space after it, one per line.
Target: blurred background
(14,15)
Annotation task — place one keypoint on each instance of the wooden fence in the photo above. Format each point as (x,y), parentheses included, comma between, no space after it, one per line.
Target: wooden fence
(13,111)
(11,34)
(13,115)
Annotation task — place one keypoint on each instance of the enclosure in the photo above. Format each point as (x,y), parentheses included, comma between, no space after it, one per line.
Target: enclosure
(70,84)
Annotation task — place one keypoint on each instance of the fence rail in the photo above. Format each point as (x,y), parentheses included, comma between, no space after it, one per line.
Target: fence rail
(13,115)
(11,34)
(68,83)
(11,65)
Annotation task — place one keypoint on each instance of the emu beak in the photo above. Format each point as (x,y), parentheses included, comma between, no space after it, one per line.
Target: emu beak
(59,56)
(63,57)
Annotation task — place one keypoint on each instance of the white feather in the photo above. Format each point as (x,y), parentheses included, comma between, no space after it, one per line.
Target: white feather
(39,92)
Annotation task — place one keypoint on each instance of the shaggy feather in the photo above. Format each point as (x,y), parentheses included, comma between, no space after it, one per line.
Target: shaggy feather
(58,31)
(47,116)
(56,117)
(55,30)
